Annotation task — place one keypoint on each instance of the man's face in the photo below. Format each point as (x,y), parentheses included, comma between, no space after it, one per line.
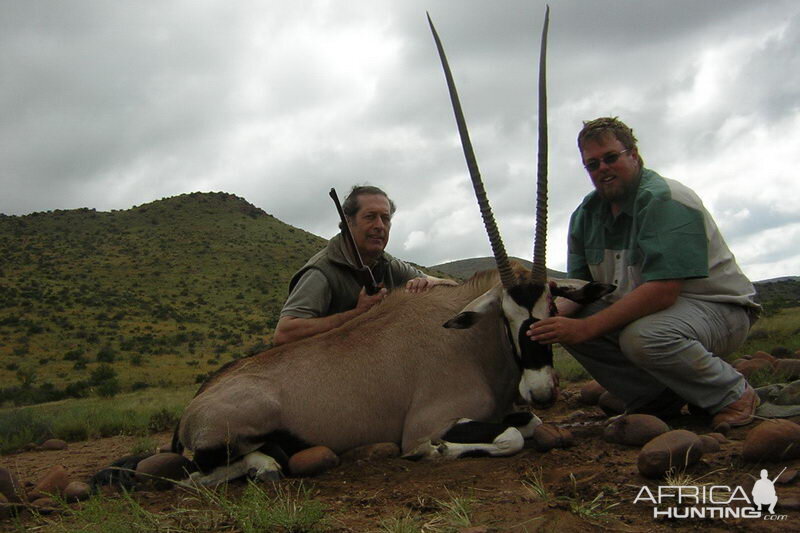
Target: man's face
(613,181)
(370,225)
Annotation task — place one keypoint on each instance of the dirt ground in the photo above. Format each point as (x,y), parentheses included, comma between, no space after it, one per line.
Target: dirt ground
(360,495)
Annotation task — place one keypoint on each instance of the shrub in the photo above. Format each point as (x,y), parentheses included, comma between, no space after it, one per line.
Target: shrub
(162,420)
(106,355)
(73,355)
(108,388)
(102,373)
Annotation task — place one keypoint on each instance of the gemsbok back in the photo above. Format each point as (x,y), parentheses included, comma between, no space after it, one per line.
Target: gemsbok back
(394,374)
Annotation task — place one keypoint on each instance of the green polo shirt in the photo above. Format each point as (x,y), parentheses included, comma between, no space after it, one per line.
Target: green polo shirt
(663,232)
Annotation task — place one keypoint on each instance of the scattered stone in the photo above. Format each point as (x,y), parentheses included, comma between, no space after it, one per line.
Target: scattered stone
(53,444)
(737,363)
(77,491)
(634,430)
(788,367)
(372,452)
(765,356)
(313,461)
(723,429)
(610,404)
(710,444)
(45,505)
(787,477)
(752,366)
(773,440)
(677,449)
(719,437)
(162,468)
(781,352)
(10,486)
(547,436)
(591,392)
(54,482)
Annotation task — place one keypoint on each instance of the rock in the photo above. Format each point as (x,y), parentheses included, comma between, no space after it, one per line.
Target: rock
(591,392)
(765,356)
(781,352)
(719,437)
(610,404)
(10,486)
(789,395)
(748,368)
(787,477)
(723,429)
(53,444)
(788,367)
(634,430)
(676,449)
(161,469)
(45,505)
(77,491)
(54,482)
(739,362)
(372,452)
(313,461)
(710,444)
(546,437)
(773,440)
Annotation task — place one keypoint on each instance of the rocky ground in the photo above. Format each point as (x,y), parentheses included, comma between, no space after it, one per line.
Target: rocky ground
(590,485)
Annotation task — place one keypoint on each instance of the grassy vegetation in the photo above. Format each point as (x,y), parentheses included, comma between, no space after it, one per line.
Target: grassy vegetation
(594,509)
(287,507)
(74,420)
(162,293)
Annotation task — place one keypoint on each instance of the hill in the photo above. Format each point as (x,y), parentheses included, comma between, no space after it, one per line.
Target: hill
(773,294)
(778,293)
(465,268)
(160,293)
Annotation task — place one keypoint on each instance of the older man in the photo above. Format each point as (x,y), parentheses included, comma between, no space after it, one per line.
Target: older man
(681,302)
(327,291)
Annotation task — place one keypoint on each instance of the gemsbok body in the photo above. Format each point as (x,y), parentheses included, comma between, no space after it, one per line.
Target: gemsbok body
(394,374)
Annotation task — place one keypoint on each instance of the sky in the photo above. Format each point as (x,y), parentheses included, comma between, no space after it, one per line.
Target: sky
(108,105)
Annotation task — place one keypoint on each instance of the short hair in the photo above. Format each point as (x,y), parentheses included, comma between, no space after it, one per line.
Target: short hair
(599,127)
(351,205)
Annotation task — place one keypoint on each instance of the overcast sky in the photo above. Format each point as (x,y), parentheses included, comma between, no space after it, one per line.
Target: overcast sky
(113,104)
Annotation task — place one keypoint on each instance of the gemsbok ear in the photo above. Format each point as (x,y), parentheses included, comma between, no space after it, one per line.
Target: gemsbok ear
(488,303)
(580,291)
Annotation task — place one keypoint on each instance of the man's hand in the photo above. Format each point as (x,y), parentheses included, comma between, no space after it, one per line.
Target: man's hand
(560,329)
(366,301)
(426,283)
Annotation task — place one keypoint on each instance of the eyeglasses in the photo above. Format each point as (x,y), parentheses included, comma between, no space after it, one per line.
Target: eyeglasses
(608,159)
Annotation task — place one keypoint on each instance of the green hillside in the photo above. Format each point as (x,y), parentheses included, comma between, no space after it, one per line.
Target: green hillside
(158,294)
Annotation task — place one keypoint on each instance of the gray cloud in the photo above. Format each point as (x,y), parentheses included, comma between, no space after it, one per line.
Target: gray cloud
(108,105)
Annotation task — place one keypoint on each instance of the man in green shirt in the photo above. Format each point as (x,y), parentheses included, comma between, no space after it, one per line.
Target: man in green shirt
(327,291)
(681,302)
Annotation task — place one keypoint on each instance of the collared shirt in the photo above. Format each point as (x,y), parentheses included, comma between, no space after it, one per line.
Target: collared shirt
(329,283)
(663,232)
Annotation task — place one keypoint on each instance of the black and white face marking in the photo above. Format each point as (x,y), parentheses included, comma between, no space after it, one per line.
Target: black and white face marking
(523,305)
